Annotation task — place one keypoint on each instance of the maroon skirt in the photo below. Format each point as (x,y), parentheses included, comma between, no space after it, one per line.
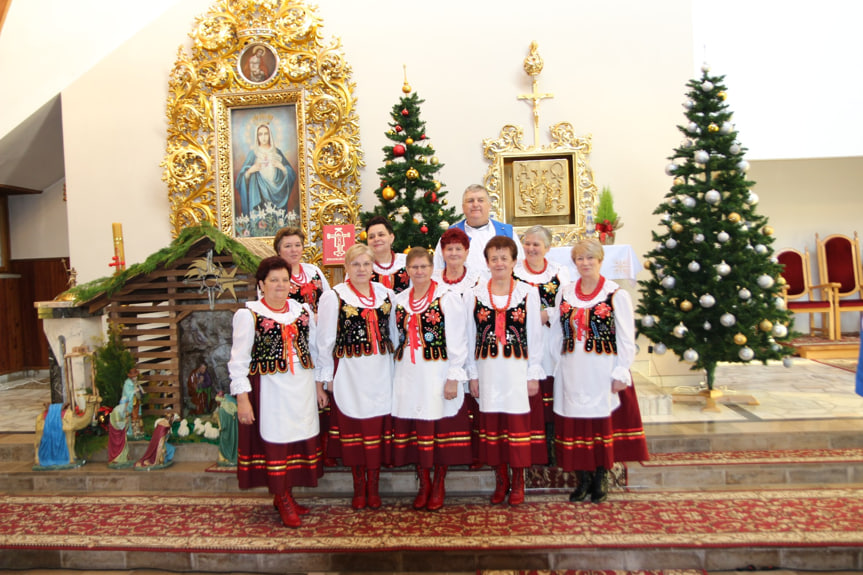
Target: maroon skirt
(277,466)
(514,439)
(582,444)
(361,442)
(546,388)
(445,441)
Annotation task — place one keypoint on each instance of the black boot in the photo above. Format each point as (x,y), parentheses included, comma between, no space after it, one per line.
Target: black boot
(549,444)
(585,480)
(599,493)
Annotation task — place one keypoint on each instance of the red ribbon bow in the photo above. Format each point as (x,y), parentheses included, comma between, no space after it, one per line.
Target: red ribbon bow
(414,335)
(579,323)
(371,318)
(289,333)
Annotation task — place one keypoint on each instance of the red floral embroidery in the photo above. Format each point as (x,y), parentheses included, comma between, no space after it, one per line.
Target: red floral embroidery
(432,317)
(602,310)
(293,288)
(518,315)
(565,307)
(483,314)
(303,319)
(267,324)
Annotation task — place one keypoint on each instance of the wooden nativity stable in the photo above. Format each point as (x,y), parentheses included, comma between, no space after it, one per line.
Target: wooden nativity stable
(174,312)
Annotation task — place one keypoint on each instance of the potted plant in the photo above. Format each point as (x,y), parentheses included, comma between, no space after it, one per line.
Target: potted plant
(607,220)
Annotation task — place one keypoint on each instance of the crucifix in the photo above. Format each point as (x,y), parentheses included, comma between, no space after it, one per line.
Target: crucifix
(533,66)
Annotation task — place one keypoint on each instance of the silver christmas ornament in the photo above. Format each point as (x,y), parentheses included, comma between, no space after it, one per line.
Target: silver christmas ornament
(659,348)
(648,321)
(727,319)
(668,282)
(726,128)
(690,355)
(688,201)
(712,197)
(698,238)
(743,166)
(744,294)
(752,198)
(669,169)
(780,330)
(693,266)
(706,86)
(765,281)
(701,157)
(787,361)
(671,243)
(680,330)
(780,304)
(693,128)
(707,300)
(723,268)
(707,326)
(746,353)
(761,249)
(722,237)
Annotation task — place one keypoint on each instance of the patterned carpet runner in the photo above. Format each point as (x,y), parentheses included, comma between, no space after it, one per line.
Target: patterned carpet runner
(702,519)
(774,456)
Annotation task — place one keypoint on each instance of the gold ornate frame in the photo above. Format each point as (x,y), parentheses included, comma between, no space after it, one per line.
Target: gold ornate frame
(266,106)
(509,148)
(210,77)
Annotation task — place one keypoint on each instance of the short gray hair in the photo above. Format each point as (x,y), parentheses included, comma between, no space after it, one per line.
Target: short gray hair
(540,231)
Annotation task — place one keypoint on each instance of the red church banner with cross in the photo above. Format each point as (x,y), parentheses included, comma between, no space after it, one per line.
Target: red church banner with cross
(336,241)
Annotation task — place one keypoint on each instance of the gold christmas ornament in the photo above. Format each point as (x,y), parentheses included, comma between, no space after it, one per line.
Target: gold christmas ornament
(767,231)
(780,280)
(739,339)
(765,325)
(436,185)
(406,88)
(686,305)
(679,181)
(412,174)
(733,217)
(409,141)
(444,201)
(388,193)
(434,161)
(676,227)
(722,95)
(363,235)
(712,128)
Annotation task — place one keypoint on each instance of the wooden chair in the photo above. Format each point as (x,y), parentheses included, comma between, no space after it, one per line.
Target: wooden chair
(839,262)
(803,297)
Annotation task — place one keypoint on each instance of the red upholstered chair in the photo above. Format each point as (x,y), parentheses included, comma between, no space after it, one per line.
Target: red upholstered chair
(803,297)
(839,262)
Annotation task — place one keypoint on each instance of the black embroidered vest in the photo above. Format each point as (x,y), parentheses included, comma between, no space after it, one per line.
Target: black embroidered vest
(353,338)
(599,336)
(431,332)
(400,280)
(309,293)
(268,351)
(516,332)
(547,290)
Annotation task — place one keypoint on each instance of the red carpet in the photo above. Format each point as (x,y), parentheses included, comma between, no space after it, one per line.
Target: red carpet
(717,519)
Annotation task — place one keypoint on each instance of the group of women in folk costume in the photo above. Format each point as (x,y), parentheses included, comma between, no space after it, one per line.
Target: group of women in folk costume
(448,370)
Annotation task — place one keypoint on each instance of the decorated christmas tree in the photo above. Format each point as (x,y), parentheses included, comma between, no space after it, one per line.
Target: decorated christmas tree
(410,196)
(715,294)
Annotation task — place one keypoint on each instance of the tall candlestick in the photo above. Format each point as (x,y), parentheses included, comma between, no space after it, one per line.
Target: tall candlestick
(119,254)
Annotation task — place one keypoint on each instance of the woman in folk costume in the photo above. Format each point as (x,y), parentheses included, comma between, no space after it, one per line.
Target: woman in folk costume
(430,418)
(547,276)
(389,267)
(308,282)
(454,244)
(355,321)
(272,376)
(504,364)
(597,421)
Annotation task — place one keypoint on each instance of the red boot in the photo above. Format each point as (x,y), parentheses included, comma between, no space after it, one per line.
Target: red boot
(374,498)
(287,513)
(424,489)
(359,500)
(502,484)
(325,443)
(438,491)
(516,496)
(300,509)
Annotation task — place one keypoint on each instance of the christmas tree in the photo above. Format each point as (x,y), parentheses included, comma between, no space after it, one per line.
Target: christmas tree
(715,294)
(409,195)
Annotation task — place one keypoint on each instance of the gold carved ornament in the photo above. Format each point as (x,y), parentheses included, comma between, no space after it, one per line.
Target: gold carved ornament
(552,185)
(310,73)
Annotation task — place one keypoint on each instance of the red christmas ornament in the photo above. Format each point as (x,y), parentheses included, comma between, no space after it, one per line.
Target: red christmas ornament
(431,197)
(405,113)
(423,137)
(399,128)
(399,150)
(424,229)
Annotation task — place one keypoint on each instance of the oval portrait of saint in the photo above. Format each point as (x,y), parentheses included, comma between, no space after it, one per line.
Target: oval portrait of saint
(257,63)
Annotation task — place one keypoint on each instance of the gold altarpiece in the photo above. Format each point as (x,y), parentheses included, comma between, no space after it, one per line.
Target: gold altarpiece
(549,185)
(254,63)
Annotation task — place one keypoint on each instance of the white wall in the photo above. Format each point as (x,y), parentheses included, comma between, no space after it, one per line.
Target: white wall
(38,225)
(46,44)
(617,70)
